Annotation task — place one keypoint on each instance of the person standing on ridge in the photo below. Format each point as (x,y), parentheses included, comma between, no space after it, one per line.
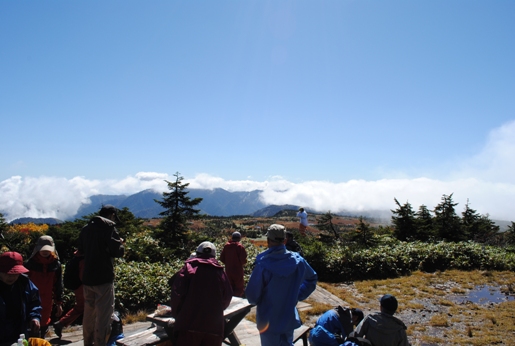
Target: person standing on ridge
(100,243)
(234,256)
(303,222)
(280,279)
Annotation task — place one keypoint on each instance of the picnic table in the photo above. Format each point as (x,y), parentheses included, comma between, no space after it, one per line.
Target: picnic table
(235,312)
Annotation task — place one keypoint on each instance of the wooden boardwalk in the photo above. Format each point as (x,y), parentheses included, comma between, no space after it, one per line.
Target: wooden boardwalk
(246,330)
(324,296)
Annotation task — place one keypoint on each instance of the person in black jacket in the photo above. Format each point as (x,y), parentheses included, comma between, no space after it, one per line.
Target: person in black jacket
(100,243)
(292,245)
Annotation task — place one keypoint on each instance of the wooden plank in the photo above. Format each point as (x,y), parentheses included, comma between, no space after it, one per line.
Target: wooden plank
(152,336)
(322,295)
(303,306)
(248,333)
(301,333)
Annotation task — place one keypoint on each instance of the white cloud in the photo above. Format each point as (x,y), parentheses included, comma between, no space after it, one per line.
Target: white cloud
(486,180)
(496,161)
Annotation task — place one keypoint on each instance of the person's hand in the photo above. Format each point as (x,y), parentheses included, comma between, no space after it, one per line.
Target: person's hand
(59,310)
(34,326)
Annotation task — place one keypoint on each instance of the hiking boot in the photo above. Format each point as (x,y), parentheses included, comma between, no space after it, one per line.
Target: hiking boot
(58,329)
(43,332)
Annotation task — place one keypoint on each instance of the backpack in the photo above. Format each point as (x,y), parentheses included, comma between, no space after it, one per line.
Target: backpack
(71,278)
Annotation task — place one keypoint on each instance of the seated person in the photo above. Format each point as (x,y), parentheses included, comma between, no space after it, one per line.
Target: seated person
(334,326)
(20,311)
(382,328)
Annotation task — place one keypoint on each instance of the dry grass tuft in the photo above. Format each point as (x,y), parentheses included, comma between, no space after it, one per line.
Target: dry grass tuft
(439,320)
(139,316)
(251,317)
(317,308)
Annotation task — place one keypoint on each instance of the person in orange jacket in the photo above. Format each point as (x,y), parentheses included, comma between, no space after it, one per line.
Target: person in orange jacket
(234,256)
(46,273)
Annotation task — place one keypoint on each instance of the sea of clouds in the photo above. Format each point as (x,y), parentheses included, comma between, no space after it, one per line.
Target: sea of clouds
(486,181)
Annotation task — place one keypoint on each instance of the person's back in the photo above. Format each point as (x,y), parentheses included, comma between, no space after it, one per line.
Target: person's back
(234,256)
(382,328)
(100,243)
(200,293)
(279,280)
(334,326)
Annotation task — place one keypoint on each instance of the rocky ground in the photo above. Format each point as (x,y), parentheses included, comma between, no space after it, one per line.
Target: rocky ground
(452,316)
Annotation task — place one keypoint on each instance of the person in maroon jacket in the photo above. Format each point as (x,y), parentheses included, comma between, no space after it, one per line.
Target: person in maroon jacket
(234,256)
(200,293)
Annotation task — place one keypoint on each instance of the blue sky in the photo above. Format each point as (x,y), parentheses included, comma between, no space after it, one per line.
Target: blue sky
(339,105)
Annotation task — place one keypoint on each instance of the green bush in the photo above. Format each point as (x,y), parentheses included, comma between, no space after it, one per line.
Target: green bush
(343,263)
(141,286)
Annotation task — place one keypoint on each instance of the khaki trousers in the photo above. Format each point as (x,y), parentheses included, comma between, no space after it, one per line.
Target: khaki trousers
(98,309)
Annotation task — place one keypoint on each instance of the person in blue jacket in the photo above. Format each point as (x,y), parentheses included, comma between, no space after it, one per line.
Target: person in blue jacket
(20,307)
(279,280)
(333,327)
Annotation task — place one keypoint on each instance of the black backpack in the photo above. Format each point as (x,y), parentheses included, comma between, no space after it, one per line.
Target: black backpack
(71,278)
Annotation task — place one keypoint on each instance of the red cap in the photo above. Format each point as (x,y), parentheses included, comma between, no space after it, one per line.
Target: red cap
(12,263)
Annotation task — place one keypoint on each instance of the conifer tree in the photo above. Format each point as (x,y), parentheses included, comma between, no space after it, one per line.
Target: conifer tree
(447,223)
(364,234)
(404,221)
(179,209)
(325,222)
(478,227)
(3,227)
(509,235)
(424,224)
(3,224)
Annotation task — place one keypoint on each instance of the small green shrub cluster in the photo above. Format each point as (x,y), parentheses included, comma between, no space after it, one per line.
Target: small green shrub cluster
(342,263)
(141,286)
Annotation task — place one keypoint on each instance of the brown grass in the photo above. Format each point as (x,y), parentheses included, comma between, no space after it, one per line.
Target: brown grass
(139,316)
(450,323)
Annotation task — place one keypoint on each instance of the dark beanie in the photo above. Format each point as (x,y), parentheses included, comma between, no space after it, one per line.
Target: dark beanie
(389,303)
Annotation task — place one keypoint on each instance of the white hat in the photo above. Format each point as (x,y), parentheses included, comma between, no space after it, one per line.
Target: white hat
(206,248)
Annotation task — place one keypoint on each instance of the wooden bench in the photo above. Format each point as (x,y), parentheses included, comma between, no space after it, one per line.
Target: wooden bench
(151,336)
(301,333)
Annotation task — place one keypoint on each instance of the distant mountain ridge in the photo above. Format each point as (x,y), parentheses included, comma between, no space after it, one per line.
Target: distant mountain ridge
(272,210)
(216,202)
(36,220)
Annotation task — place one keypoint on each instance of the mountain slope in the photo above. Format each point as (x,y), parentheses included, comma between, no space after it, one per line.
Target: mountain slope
(216,202)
